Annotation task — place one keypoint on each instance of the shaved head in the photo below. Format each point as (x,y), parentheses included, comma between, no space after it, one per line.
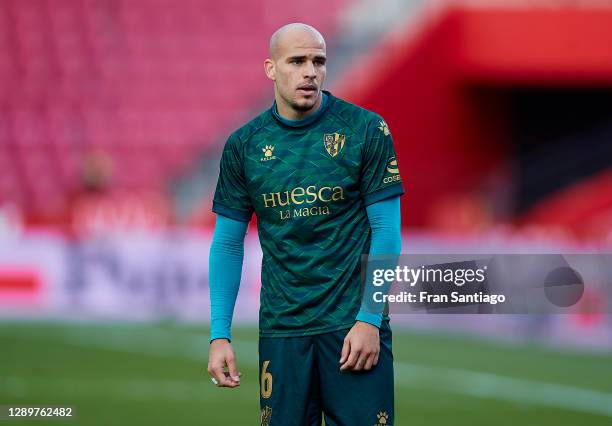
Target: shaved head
(297,67)
(293,32)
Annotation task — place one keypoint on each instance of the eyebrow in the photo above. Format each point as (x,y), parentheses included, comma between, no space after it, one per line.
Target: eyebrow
(303,57)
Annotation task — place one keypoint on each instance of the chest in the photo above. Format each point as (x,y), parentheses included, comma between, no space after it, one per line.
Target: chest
(297,169)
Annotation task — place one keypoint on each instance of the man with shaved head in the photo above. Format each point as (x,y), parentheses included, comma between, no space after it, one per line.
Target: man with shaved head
(296,94)
(322,178)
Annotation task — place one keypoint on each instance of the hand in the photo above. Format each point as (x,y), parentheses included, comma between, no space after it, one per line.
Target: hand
(220,355)
(361,347)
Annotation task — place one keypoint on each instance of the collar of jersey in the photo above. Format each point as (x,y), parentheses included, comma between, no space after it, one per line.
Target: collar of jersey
(305,121)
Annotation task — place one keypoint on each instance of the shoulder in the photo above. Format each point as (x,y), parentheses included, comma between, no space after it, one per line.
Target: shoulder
(241,136)
(354,115)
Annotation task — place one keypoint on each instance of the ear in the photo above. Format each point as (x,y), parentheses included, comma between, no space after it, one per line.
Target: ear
(270,69)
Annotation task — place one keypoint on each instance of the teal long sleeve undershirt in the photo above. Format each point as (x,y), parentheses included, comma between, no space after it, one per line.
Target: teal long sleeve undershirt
(227,253)
(224,271)
(385,222)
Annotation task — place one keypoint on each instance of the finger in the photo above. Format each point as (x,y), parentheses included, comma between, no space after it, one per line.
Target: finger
(352,359)
(212,373)
(233,369)
(217,373)
(346,349)
(376,358)
(369,362)
(361,361)
(228,377)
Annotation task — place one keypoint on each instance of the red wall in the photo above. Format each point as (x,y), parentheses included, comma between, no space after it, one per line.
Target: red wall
(450,134)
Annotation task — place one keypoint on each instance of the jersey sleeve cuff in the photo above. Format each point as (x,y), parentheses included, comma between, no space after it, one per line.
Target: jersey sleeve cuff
(383,193)
(214,335)
(240,215)
(370,318)
(229,339)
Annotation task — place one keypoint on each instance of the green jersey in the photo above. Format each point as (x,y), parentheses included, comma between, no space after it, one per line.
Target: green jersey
(308,183)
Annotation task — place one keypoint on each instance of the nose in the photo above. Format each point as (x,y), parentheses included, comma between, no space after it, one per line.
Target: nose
(309,70)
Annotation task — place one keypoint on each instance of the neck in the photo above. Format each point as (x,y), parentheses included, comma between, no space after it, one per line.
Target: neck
(286,111)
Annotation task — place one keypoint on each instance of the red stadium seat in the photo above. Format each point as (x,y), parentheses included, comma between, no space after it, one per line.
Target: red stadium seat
(153,83)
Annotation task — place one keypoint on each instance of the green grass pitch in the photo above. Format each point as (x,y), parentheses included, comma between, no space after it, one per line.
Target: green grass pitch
(118,374)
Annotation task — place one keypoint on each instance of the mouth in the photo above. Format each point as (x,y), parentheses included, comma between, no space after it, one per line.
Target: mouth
(307,89)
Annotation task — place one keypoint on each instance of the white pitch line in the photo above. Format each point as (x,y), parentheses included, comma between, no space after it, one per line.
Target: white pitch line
(408,375)
(493,386)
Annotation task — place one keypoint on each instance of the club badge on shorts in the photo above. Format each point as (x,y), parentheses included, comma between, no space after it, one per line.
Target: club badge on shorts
(266,416)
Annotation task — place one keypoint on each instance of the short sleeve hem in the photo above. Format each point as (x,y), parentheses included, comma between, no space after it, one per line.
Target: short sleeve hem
(383,193)
(240,215)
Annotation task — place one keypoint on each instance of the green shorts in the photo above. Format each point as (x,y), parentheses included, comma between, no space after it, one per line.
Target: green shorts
(301,383)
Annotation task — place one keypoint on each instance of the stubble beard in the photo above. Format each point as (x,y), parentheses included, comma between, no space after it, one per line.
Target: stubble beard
(306,106)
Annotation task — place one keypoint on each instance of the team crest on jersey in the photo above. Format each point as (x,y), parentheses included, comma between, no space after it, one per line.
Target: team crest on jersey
(266,416)
(334,142)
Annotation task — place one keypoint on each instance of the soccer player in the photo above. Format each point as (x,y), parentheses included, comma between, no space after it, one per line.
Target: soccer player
(322,178)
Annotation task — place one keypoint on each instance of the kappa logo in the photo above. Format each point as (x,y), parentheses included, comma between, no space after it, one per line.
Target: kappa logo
(334,142)
(266,416)
(268,151)
(382,126)
(383,419)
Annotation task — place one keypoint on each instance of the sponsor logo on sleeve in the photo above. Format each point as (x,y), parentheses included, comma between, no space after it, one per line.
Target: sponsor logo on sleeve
(392,174)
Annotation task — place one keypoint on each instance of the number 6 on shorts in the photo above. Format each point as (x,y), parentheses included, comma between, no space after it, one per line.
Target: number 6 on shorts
(266,381)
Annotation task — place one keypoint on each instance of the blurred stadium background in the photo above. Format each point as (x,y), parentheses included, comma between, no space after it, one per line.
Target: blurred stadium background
(113,114)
